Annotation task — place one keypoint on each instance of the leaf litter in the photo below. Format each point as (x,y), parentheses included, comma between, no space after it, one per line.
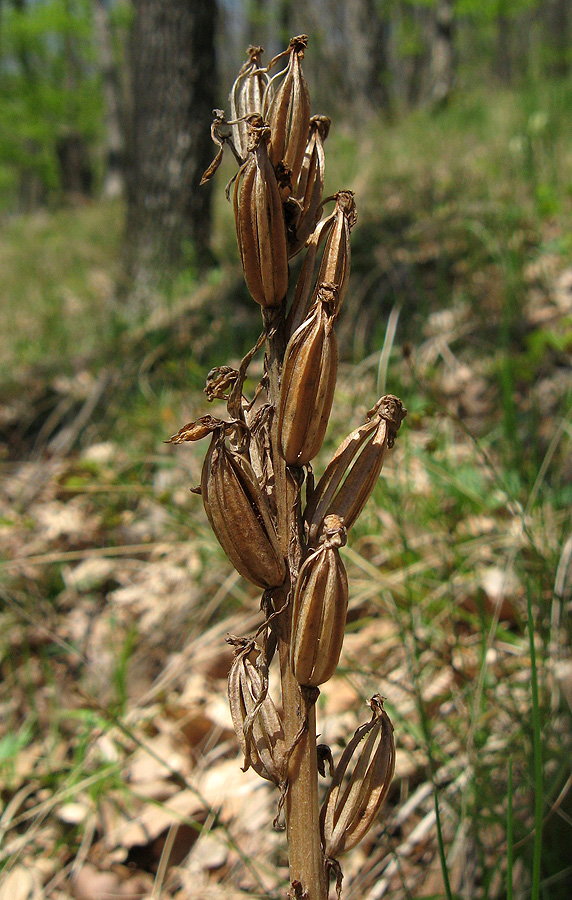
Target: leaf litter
(119,767)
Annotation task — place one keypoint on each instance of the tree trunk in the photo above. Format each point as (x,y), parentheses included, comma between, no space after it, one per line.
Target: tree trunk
(442,64)
(76,174)
(377,28)
(503,46)
(114,142)
(284,16)
(173,82)
(559,28)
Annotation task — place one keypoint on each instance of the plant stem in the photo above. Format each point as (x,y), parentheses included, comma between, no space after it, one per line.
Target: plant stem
(302,811)
(306,859)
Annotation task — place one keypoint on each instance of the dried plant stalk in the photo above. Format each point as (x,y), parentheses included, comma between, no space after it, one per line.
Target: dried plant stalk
(258,462)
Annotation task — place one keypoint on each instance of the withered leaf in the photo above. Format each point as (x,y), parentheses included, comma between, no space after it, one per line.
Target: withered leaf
(197,430)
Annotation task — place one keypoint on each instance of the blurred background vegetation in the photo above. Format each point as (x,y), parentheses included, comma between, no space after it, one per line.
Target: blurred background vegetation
(120,287)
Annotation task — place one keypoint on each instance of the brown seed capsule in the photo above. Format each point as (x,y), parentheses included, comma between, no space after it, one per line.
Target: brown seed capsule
(320,608)
(308,382)
(352,473)
(259,218)
(304,286)
(335,265)
(347,816)
(335,261)
(310,186)
(289,112)
(246,97)
(239,515)
(256,722)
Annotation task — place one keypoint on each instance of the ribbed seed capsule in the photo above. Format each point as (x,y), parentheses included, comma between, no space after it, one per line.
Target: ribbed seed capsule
(310,185)
(335,261)
(308,382)
(344,489)
(289,113)
(259,218)
(256,722)
(239,515)
(320,609)
(347,816)
(305,284)
(246,97)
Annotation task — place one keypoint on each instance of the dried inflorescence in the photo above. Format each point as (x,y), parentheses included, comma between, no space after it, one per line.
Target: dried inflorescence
(259,460)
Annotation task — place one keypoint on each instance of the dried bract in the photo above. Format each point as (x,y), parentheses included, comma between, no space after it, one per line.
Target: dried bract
(239,516)
(289,113)
(347,816)
(197,430)
(259,218)
(256,722)
(320,609)
(221,134)
(352,473)
(220,382)
(308,381)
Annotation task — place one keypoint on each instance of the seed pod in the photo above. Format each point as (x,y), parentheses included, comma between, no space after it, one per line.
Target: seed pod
(335,262)
(320,609)
(259,218)
(344,491)
(345,820)
(308,382)
(239,515)
(305,284)
(310,185)
(246,97)
(289,112)
(256,722)
(335,265)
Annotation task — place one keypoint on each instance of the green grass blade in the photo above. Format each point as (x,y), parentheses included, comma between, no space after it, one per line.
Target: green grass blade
(509,834)
(442,857)
(537,754)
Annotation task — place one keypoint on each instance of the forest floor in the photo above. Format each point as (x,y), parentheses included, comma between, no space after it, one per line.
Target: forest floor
(119,769)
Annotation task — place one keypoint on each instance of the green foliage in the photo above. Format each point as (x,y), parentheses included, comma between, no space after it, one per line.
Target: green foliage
(491,10)
(49,89)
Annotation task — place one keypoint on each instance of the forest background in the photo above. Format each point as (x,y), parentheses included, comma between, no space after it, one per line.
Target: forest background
(121,287)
